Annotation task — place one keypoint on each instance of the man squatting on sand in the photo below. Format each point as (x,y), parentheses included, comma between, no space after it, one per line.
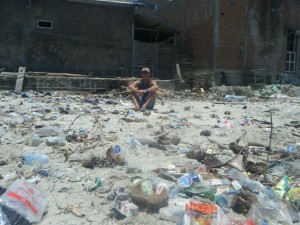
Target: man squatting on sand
(143,91)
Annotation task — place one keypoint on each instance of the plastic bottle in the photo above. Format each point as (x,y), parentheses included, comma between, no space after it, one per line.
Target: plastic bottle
(234,97)
(132,167)
(223,200)
(171,213)
(220,182)
(49,131)
(252,185)
(118,150)
(132,141)
(213,184)
(98,183)
(182,150)
(205,185)
(31,158)
(173,192)
(237,175)
(34,180)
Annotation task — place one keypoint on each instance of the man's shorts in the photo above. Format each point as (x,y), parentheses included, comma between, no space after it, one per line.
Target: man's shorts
(141,102)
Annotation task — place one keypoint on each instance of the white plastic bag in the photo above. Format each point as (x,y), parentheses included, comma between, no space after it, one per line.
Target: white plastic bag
(26,199)
(51,135)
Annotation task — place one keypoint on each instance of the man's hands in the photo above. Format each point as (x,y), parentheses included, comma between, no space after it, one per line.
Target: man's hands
(141,92)
(137,107)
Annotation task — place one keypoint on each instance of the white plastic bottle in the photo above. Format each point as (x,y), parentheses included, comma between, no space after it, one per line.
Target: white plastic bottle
(132,141)
(171,213)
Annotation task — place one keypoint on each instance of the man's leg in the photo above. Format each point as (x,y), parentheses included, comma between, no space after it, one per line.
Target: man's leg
(149,104)
(136,101)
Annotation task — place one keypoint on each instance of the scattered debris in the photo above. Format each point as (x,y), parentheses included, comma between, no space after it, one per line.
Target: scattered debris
(243,168)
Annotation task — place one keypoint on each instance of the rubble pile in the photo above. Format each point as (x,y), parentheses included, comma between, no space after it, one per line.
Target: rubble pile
(216,158)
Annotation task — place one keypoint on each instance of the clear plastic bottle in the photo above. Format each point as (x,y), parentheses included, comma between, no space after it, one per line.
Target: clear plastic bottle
(132,141)
(119,151)
(31,158)
(171,213)
(173,192)
(237,175)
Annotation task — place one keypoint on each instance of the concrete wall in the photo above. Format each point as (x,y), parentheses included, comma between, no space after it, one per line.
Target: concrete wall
(75,84)
(85,38)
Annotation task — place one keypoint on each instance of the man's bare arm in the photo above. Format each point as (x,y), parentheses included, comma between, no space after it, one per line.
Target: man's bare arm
(153,88)
(133,86)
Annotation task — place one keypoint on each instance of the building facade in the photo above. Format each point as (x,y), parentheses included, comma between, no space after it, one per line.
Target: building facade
(241,39)
(103,38)
(65,36)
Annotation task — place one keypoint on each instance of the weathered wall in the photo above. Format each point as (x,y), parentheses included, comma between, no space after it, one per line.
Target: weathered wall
(195,18)
(231,35)
(267,36)
(85,37)
(291,14)
(251,35)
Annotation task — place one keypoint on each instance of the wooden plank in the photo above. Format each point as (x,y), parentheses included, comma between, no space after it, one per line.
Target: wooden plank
(20,79)
(178,72)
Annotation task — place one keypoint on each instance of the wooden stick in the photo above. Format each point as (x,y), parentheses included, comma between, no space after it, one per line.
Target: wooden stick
(233,103)
(228,163)
(270,144)
(296,134)
(161,135)
(56,201)
(216,142)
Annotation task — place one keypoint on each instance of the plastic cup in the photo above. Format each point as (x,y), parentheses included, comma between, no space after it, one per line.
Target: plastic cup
(185,181)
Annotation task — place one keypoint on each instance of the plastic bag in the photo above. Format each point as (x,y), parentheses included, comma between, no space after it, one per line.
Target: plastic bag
(13,217)
(26,199)
(50,135)
(225,219)
(3,218)
(271,215)
(70,173)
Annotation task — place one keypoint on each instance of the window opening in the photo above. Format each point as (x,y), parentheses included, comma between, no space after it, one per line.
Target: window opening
(44,24)
(290,56)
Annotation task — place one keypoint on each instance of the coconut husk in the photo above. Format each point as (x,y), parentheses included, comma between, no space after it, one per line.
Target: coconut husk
(150,203)
(111,156)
